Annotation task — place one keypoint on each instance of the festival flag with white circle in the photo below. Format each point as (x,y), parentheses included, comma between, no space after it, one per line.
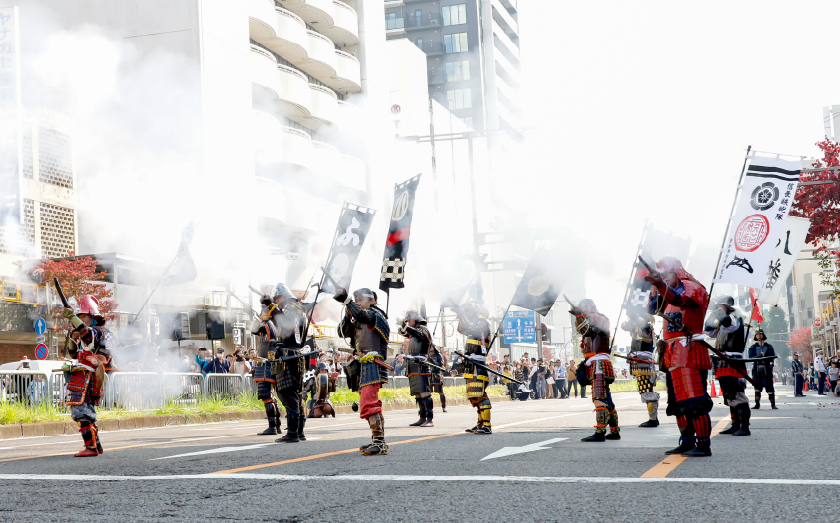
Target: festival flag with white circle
(540,285)
(399,232)
(766,196)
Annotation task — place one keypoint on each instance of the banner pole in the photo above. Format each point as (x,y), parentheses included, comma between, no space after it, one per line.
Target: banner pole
(729,220)
(630,281)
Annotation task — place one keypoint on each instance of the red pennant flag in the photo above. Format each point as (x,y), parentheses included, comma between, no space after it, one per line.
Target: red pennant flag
(756,312)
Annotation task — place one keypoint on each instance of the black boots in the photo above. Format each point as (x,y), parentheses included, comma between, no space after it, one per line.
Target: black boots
(701,450)
(744,430)
(772,396)
(598,436)
(273,420)
(292,422)
(757,400)
(735,424)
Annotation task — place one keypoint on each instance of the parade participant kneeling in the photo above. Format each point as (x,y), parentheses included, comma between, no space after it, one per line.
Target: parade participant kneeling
(680,297)
(727,328)
(598,369)
(367,328)
(419,341)
(86,343)
(323,383)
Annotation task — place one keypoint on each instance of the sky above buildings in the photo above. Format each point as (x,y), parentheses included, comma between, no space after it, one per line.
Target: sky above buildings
(644,111)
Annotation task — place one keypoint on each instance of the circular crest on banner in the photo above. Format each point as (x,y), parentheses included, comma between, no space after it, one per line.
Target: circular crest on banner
(400,206)
(396,109)
(751,233)
(764,196)
(538,285)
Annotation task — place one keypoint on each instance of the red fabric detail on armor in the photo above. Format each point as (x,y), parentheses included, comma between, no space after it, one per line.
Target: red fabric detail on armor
(682,422)
(398,236)
(727,372)
(369,401)
(693,355)
(702,427)
(687,384)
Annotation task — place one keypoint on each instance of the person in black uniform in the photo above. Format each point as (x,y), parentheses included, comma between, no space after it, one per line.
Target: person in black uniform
(472,323)
(728,330)
(762,371)
(798,371)
(436,380)
(290,322)
(419,341)
(263,378)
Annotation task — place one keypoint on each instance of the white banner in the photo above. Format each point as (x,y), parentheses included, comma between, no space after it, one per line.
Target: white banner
(787,251)
(763,205)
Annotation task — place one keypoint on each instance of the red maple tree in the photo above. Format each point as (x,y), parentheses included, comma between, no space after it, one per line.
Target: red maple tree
(800,341)
(77,276)
(820,204)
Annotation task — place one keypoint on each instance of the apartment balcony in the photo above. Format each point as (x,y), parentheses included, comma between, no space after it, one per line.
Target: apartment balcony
(394,26)
(332,18)
(437,77)
(394,3)
(287,88)
(432,48)
(349,72)
(326,162)
(348,115)
(429,21)
(281,31)
(275,143)
(324,106)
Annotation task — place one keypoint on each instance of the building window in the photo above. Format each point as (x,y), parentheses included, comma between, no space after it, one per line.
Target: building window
(456,43)
(420,43)
(459,99)
(454,14)
(392,22)
(457,71)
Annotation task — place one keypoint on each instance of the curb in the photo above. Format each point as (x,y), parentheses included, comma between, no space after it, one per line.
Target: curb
(58,428)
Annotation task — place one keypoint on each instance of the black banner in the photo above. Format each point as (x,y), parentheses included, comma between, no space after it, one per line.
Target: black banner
(396,244)
(353,226)
(638,291)
(540,286)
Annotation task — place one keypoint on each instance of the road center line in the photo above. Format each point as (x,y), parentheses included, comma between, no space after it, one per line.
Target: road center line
(667,465)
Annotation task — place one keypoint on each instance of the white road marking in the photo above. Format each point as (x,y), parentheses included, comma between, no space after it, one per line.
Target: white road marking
(490,479)
(218,450)
(510,451)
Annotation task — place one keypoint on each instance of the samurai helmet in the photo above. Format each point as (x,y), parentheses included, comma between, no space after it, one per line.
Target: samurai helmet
(322,366)
(90,305)
(414,315)
(669,264)
(587,305)
(727,301)
(758,333)
(282,290)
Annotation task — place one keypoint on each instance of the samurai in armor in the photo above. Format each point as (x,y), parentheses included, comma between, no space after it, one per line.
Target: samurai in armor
(727,328)
(366,327)
(436,380)
(86,344)
(762,371)
(322,383)
(263,378)
(594,327)
(641,348)
(472,323)
(290,322)
(683,299)
(419,341)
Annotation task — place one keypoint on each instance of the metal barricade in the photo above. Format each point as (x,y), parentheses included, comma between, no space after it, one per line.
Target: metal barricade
(183,388)
(221,385)
(134,391)
(25,386)
(400,382)
(249,386)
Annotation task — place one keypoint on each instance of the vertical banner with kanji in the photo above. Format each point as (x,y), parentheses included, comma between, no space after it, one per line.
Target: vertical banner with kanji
(396,243)
(10,203)
(787,250)
(353,226)
(766,197)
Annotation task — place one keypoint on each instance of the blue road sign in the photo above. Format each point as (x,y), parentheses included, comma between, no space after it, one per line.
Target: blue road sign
(520,327)
(40,326)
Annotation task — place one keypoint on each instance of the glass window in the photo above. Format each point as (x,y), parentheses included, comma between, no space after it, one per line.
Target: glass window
(420,43)
(454,14)
(456,43)
(459,99)
(457,71)
(390,16)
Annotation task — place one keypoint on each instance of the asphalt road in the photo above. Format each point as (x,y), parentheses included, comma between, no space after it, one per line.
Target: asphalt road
(533,468)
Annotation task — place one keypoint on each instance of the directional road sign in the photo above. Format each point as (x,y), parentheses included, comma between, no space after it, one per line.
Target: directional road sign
(40,326)
(520,327)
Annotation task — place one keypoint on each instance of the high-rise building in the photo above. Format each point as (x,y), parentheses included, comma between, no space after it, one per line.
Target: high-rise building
(472,50)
